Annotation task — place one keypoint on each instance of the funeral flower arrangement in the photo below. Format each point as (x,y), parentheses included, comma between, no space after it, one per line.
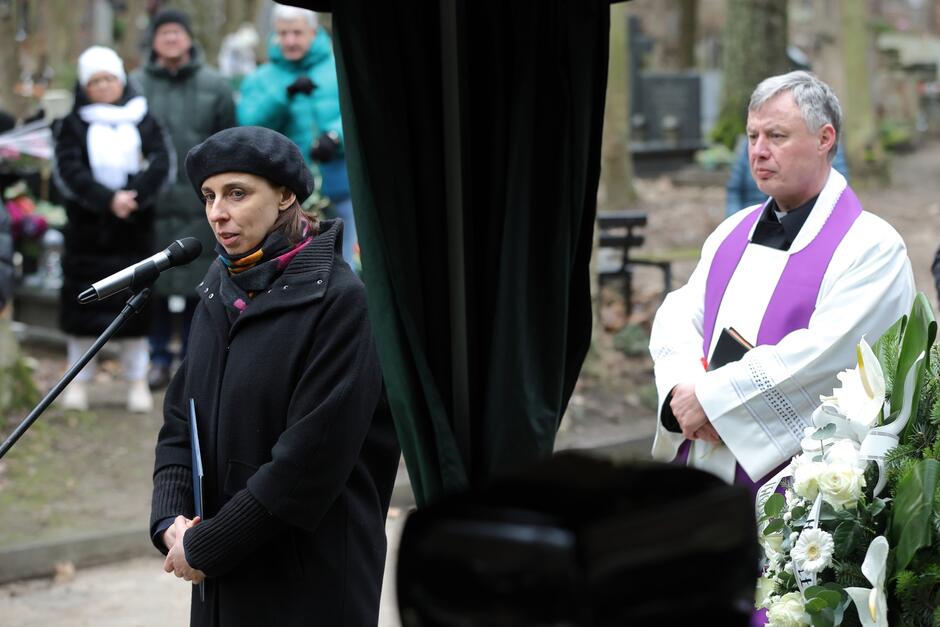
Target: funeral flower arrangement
(854,537)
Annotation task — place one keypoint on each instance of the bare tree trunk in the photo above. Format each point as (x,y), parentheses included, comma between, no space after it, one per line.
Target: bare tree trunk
(755,47)
(615,190)
(10,68)
(57,27)
(239,12)
(863,147)
(688,27)
(616,163)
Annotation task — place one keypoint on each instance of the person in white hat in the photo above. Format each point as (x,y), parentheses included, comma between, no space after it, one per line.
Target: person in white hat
(111,159)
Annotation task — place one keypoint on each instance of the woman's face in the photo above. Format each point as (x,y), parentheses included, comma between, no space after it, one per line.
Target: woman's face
(242,208)
(104,88)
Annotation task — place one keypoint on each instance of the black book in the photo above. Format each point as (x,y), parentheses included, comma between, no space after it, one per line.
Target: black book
(729,348)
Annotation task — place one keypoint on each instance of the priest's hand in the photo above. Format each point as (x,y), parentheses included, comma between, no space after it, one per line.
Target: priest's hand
(176,559)
(708,433)
(687,410)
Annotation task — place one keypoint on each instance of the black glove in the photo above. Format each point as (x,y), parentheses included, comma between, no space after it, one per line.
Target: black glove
(325,148)
(302,85)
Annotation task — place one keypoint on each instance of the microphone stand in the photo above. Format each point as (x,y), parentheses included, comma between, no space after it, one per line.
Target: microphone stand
(140,288)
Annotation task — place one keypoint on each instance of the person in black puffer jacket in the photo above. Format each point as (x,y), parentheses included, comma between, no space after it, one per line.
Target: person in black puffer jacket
(111,159)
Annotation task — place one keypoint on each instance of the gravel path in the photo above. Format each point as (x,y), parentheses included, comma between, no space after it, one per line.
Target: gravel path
(135,593)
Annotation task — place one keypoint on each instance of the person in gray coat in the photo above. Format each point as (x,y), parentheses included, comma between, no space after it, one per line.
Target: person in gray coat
(192,101)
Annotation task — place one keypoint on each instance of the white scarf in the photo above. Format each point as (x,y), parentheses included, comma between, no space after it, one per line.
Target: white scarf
(114,148)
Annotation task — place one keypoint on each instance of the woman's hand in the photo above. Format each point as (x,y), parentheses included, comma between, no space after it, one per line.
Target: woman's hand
(176,559)
(124,203)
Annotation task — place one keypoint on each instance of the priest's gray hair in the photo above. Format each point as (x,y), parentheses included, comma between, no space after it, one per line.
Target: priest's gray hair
(289,13)
(816,101)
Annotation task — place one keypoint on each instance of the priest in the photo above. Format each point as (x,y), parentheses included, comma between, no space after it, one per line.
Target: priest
(803,277)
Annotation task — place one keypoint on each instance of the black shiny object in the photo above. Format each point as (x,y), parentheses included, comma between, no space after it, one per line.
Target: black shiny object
(583,541)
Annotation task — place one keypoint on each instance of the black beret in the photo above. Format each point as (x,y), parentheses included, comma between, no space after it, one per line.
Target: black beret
(254,150)
(170,16)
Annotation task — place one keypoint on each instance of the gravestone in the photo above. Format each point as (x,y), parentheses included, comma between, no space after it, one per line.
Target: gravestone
(665,113)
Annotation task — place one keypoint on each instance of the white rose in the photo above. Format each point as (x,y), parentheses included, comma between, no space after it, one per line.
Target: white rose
(766,587)
(787,611)
(840,484)
(805,478)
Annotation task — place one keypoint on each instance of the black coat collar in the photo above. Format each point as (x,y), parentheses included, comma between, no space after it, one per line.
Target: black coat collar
(305,279)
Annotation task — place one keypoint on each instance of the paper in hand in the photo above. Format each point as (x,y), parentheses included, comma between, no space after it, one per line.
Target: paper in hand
(197,473)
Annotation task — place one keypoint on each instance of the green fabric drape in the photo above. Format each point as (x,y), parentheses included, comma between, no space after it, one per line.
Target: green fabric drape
(531,78)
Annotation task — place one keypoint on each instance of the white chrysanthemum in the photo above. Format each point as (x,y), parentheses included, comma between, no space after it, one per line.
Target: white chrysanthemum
(813,550)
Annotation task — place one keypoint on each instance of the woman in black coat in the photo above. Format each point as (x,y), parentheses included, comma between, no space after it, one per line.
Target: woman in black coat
(297,444)
(111,159)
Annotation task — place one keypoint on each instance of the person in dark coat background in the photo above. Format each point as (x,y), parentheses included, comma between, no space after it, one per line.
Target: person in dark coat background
(298,447)
(111,160)
(191,101)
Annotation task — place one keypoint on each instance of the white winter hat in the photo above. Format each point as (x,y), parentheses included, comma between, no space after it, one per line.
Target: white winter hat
(100,59)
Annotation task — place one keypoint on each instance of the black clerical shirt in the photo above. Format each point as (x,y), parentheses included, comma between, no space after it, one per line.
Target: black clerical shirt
(779,233)
(772,232)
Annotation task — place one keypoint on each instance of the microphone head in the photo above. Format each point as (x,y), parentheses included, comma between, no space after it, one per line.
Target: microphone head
(184,250)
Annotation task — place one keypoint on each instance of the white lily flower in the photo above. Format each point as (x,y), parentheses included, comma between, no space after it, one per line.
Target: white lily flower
(857,406)
(872,603)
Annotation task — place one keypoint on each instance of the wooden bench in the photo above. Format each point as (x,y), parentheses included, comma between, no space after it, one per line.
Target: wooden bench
(618,233)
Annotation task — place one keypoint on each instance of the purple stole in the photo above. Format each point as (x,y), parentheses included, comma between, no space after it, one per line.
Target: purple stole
(794,299)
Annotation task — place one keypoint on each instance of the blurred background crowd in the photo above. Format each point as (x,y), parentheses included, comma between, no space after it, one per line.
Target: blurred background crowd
(92,152)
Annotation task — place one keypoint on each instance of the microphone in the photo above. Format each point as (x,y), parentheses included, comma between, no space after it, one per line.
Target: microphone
(179,253)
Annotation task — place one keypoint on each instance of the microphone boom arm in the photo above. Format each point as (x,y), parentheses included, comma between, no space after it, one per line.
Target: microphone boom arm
(143,280)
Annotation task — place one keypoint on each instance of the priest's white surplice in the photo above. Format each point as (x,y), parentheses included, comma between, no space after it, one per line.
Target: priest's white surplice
(761,404)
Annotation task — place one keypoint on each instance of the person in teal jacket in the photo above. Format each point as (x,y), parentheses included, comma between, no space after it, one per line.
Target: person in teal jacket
(296,93)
